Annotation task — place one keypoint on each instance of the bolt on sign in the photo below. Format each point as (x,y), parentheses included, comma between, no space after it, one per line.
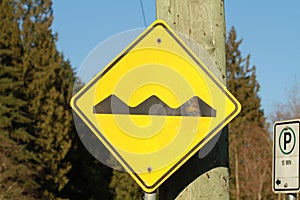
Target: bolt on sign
(155,105)
(286,175)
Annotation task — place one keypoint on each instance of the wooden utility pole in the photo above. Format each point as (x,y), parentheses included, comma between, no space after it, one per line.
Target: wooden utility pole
(204,22)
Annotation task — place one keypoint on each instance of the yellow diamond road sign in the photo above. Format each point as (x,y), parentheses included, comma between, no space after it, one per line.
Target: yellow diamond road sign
(155,105)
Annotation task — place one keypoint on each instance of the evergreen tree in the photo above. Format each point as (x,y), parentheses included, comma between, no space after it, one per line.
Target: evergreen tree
(12,115)
(242,83)
(250,146)
(15,170)
(47,87)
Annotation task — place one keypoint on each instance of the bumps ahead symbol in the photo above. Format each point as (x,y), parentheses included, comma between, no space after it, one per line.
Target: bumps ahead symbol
(155,106)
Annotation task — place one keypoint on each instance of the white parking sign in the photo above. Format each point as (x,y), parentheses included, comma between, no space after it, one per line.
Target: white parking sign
(286,156)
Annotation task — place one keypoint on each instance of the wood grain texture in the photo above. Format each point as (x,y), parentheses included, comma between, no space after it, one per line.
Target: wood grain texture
(204,22)
(201,20)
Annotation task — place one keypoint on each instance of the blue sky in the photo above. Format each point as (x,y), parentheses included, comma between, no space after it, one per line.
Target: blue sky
(270,31)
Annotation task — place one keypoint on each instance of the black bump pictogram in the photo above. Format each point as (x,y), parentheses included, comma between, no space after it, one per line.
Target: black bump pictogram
(155,106)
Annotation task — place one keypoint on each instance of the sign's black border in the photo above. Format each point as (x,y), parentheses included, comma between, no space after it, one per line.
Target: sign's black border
(274,142)
(183,159)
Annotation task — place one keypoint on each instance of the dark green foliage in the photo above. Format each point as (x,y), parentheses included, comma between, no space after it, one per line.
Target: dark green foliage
(16,175)
(35,89)
(249,142)
(12,103)
(124,187)
(242,83)
(88,178)
(47,87)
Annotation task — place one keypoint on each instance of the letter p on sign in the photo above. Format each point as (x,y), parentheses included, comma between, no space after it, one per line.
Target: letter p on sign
(287,140)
